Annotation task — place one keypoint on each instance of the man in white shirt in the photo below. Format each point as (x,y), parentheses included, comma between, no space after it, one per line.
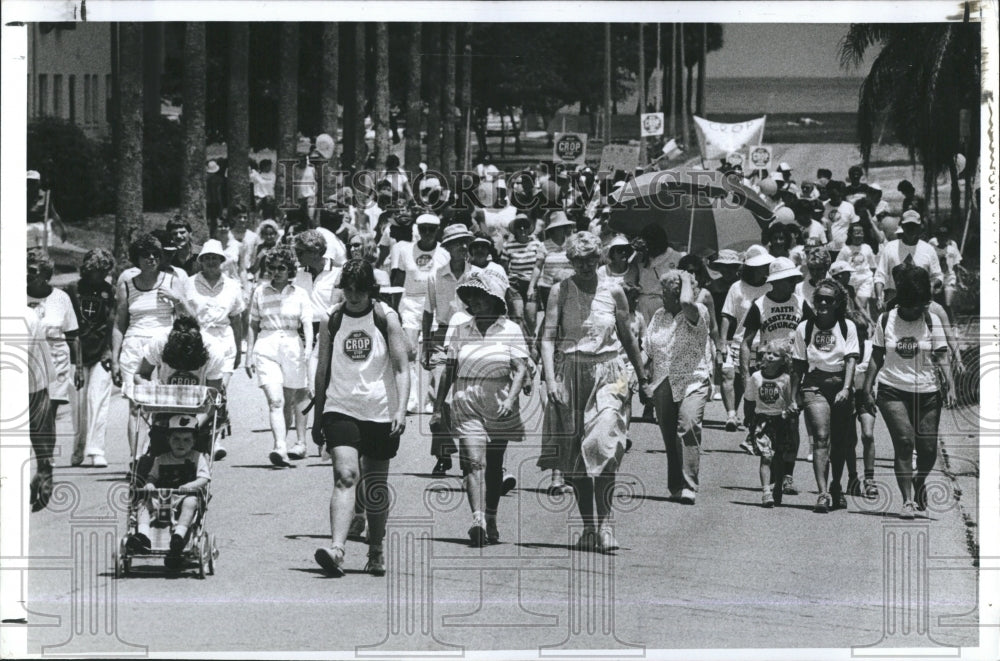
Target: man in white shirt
(908,248)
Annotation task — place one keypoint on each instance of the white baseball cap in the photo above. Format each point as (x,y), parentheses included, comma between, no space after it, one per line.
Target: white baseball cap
(757,255)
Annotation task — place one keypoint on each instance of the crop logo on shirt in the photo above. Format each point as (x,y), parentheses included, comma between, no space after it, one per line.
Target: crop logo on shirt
(824,341)
(423,260)
(183,379)
(768,392)
(358,345)
(906,347)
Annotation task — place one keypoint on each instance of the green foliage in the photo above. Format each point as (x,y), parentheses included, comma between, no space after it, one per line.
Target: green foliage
(162,147)
(70,165)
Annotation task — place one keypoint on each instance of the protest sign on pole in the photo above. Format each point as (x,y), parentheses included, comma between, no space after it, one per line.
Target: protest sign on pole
(717,139)
(619,157)
(651,124)
(761,157)
(569,148)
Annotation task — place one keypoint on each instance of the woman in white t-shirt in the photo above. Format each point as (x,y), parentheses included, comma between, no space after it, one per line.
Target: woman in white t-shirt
(487,364)
(362,382)
(60,327)
(858,253)
(825,354)
(909,340)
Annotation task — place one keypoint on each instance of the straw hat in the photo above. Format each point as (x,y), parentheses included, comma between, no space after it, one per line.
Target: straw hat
(454,232)
(783,268)
(727,256)
(558,219)
(487,282)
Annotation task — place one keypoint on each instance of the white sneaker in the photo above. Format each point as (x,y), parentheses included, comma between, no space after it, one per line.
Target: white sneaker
(97,461)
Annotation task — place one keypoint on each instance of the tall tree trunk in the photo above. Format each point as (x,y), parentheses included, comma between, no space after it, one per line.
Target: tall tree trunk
(432,64)
(689,94)
(330,75)
(152,70)
(288,112)
(465,97)
(414,100)
(701,70)
(380,116)
(640,106)
(956,196)
(670,64)
(607,83)
(193,118)
(128,207)
(238,126)
(680,72)
(348,155)
(448,100)
(360,93)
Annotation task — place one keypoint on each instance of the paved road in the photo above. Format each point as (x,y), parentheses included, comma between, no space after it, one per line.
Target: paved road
(723,573)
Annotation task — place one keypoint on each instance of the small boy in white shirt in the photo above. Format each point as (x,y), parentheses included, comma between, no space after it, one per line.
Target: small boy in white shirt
(770,388)
(183,469)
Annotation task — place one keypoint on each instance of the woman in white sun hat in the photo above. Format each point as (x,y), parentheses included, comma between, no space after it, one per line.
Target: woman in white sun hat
(751,286)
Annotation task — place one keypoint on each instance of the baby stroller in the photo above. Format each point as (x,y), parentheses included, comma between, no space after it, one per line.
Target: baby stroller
(154,404)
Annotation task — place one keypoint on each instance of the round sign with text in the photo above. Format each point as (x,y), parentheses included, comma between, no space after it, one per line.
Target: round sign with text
(358,345)
(569,147)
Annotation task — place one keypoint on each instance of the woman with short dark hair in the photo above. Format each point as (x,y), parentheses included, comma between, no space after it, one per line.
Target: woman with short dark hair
(909,393)
(280,317)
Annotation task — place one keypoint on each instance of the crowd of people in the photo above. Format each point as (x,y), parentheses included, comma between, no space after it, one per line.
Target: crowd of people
(420,303)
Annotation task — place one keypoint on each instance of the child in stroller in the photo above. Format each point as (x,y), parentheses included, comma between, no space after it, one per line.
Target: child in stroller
(183,469)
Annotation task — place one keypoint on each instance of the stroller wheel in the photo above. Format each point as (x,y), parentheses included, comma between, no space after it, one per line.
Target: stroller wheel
(204,557)
(121,559)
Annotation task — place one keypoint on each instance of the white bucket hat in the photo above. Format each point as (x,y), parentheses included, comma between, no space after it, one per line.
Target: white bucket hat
(783,268)
(757,255)
(212,247)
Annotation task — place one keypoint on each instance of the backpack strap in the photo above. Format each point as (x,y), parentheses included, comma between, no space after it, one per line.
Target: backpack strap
(843,327)
(381,319)
(810,323)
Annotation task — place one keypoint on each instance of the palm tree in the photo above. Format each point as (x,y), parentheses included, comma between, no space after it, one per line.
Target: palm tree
(288,108)
(128,207)
(465,95)
(432,62)
(238,126)
(193,159)
(448,100)
(414,100)
(380,116)
(919,84)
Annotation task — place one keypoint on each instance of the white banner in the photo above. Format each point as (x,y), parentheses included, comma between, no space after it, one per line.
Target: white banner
(717,139)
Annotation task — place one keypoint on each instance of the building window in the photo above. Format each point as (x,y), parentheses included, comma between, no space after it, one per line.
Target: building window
(57,89)
(43,95)
(87,119)
(95,98)
(72,98)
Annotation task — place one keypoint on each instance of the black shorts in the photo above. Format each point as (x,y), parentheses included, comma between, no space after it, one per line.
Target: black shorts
(370,439)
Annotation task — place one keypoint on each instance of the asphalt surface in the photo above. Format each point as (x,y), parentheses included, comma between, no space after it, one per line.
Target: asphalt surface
(722,573)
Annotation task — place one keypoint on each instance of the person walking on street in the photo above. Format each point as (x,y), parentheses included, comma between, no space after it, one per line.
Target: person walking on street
(94,301)
(825,354)
(487,363)
(584,428)
(909,395)
(362,383)
(677,342)
(280,317)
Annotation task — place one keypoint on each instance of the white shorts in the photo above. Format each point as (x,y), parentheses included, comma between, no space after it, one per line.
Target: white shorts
(224,343)
(411,312)
(280,359)
(130,359)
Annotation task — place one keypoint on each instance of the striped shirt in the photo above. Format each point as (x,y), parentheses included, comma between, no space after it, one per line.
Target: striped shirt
(147,311)
(280,310)
(556,266)
(522,257)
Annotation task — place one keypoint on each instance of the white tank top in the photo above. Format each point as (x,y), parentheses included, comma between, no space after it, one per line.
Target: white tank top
(362,384)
